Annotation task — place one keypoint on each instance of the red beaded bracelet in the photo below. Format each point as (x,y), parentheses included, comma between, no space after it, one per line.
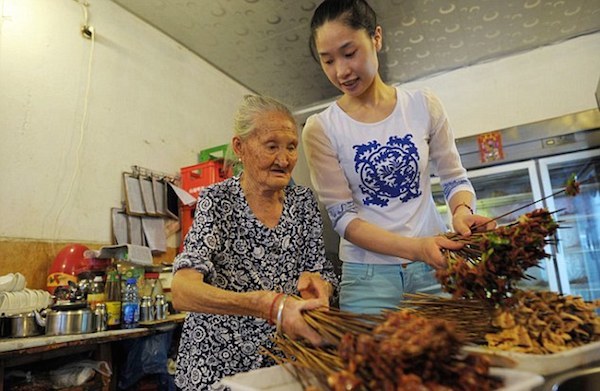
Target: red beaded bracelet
(277,296)
(462,204)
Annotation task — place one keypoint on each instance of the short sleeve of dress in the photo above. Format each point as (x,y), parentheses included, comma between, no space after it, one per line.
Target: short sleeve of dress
(203,238)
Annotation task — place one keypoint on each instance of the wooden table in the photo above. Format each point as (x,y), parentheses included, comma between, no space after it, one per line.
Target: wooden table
(15,352)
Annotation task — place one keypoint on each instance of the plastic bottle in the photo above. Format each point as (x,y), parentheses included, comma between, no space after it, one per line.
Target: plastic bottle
(130,305)
(112,291)
(96,293)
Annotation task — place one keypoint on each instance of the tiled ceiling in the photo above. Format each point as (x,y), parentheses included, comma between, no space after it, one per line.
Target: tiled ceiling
(263,44)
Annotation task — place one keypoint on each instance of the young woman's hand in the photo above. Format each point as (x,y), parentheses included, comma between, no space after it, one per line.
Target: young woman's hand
(431,250)
(463,224)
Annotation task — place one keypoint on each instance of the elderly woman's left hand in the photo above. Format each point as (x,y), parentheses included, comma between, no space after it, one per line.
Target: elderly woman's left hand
(293,323)
(312,286)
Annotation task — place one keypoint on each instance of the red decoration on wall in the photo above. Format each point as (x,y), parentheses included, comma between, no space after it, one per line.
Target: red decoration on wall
(490,147)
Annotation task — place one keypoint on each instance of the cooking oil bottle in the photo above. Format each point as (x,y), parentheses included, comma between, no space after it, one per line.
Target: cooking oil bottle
(112,291)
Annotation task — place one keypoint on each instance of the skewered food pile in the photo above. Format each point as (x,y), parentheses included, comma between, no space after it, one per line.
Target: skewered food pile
(408,351)
(399,350)
(544,323)
(492,262)
(538,322)
(486,304)
(486,271)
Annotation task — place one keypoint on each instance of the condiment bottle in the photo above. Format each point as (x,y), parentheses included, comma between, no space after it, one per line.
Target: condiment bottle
(161,309)
(100,316)
(96,293)
(146,309)
(112,291)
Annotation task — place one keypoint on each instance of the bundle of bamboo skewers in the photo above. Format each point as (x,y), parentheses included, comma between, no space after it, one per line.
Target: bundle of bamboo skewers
(394,350)
(492,262)
(472,318)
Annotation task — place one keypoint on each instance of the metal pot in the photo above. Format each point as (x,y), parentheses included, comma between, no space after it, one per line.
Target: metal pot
(22,325)
(79,321)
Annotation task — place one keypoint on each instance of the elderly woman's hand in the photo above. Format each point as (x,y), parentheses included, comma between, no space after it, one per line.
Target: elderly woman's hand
(293,323)
(312,286)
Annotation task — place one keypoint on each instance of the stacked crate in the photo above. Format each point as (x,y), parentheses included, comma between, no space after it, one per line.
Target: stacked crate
(194,178)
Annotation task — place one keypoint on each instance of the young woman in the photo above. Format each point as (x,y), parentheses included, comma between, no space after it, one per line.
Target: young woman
(370,155)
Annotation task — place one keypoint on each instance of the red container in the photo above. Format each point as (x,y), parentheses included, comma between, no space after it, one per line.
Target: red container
(67,264)
(194,178)
(186,219)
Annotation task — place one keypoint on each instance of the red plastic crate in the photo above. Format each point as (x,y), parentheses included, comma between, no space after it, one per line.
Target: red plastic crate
(194,178)
(186,219)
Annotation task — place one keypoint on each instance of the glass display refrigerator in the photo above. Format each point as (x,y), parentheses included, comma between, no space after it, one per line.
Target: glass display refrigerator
(530,173)
(578,251)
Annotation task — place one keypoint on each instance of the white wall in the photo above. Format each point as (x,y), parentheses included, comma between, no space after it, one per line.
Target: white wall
(151,103)
(540,84)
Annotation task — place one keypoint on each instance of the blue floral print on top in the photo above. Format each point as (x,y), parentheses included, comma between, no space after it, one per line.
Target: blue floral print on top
(388,171)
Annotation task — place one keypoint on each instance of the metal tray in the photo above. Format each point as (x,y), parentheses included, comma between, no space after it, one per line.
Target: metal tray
(546,364)
(277,378)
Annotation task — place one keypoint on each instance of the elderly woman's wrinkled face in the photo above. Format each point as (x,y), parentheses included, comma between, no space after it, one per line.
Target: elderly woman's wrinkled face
(270,152)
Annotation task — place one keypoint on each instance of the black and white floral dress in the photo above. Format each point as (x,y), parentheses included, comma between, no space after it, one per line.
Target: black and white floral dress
(236,252)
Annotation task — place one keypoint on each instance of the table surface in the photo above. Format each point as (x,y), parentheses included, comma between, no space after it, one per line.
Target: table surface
(12,346)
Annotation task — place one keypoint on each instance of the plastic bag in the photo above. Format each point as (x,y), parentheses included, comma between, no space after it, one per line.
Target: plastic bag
(145,356)
(78,373)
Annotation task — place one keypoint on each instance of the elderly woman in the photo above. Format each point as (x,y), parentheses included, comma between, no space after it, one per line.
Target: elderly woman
(255,241)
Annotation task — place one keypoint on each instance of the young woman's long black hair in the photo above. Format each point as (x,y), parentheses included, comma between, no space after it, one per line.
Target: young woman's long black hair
(356,14)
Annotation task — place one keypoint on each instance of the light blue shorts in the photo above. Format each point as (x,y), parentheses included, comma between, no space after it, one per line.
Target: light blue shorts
(368,289)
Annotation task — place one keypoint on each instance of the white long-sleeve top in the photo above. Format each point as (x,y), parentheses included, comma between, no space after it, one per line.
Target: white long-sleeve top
(380,172)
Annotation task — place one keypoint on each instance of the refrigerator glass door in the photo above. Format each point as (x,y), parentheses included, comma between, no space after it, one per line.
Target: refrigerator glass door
(500,190)
(578,256)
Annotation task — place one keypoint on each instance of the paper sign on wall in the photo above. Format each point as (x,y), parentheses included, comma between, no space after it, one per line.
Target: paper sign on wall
(490,147)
